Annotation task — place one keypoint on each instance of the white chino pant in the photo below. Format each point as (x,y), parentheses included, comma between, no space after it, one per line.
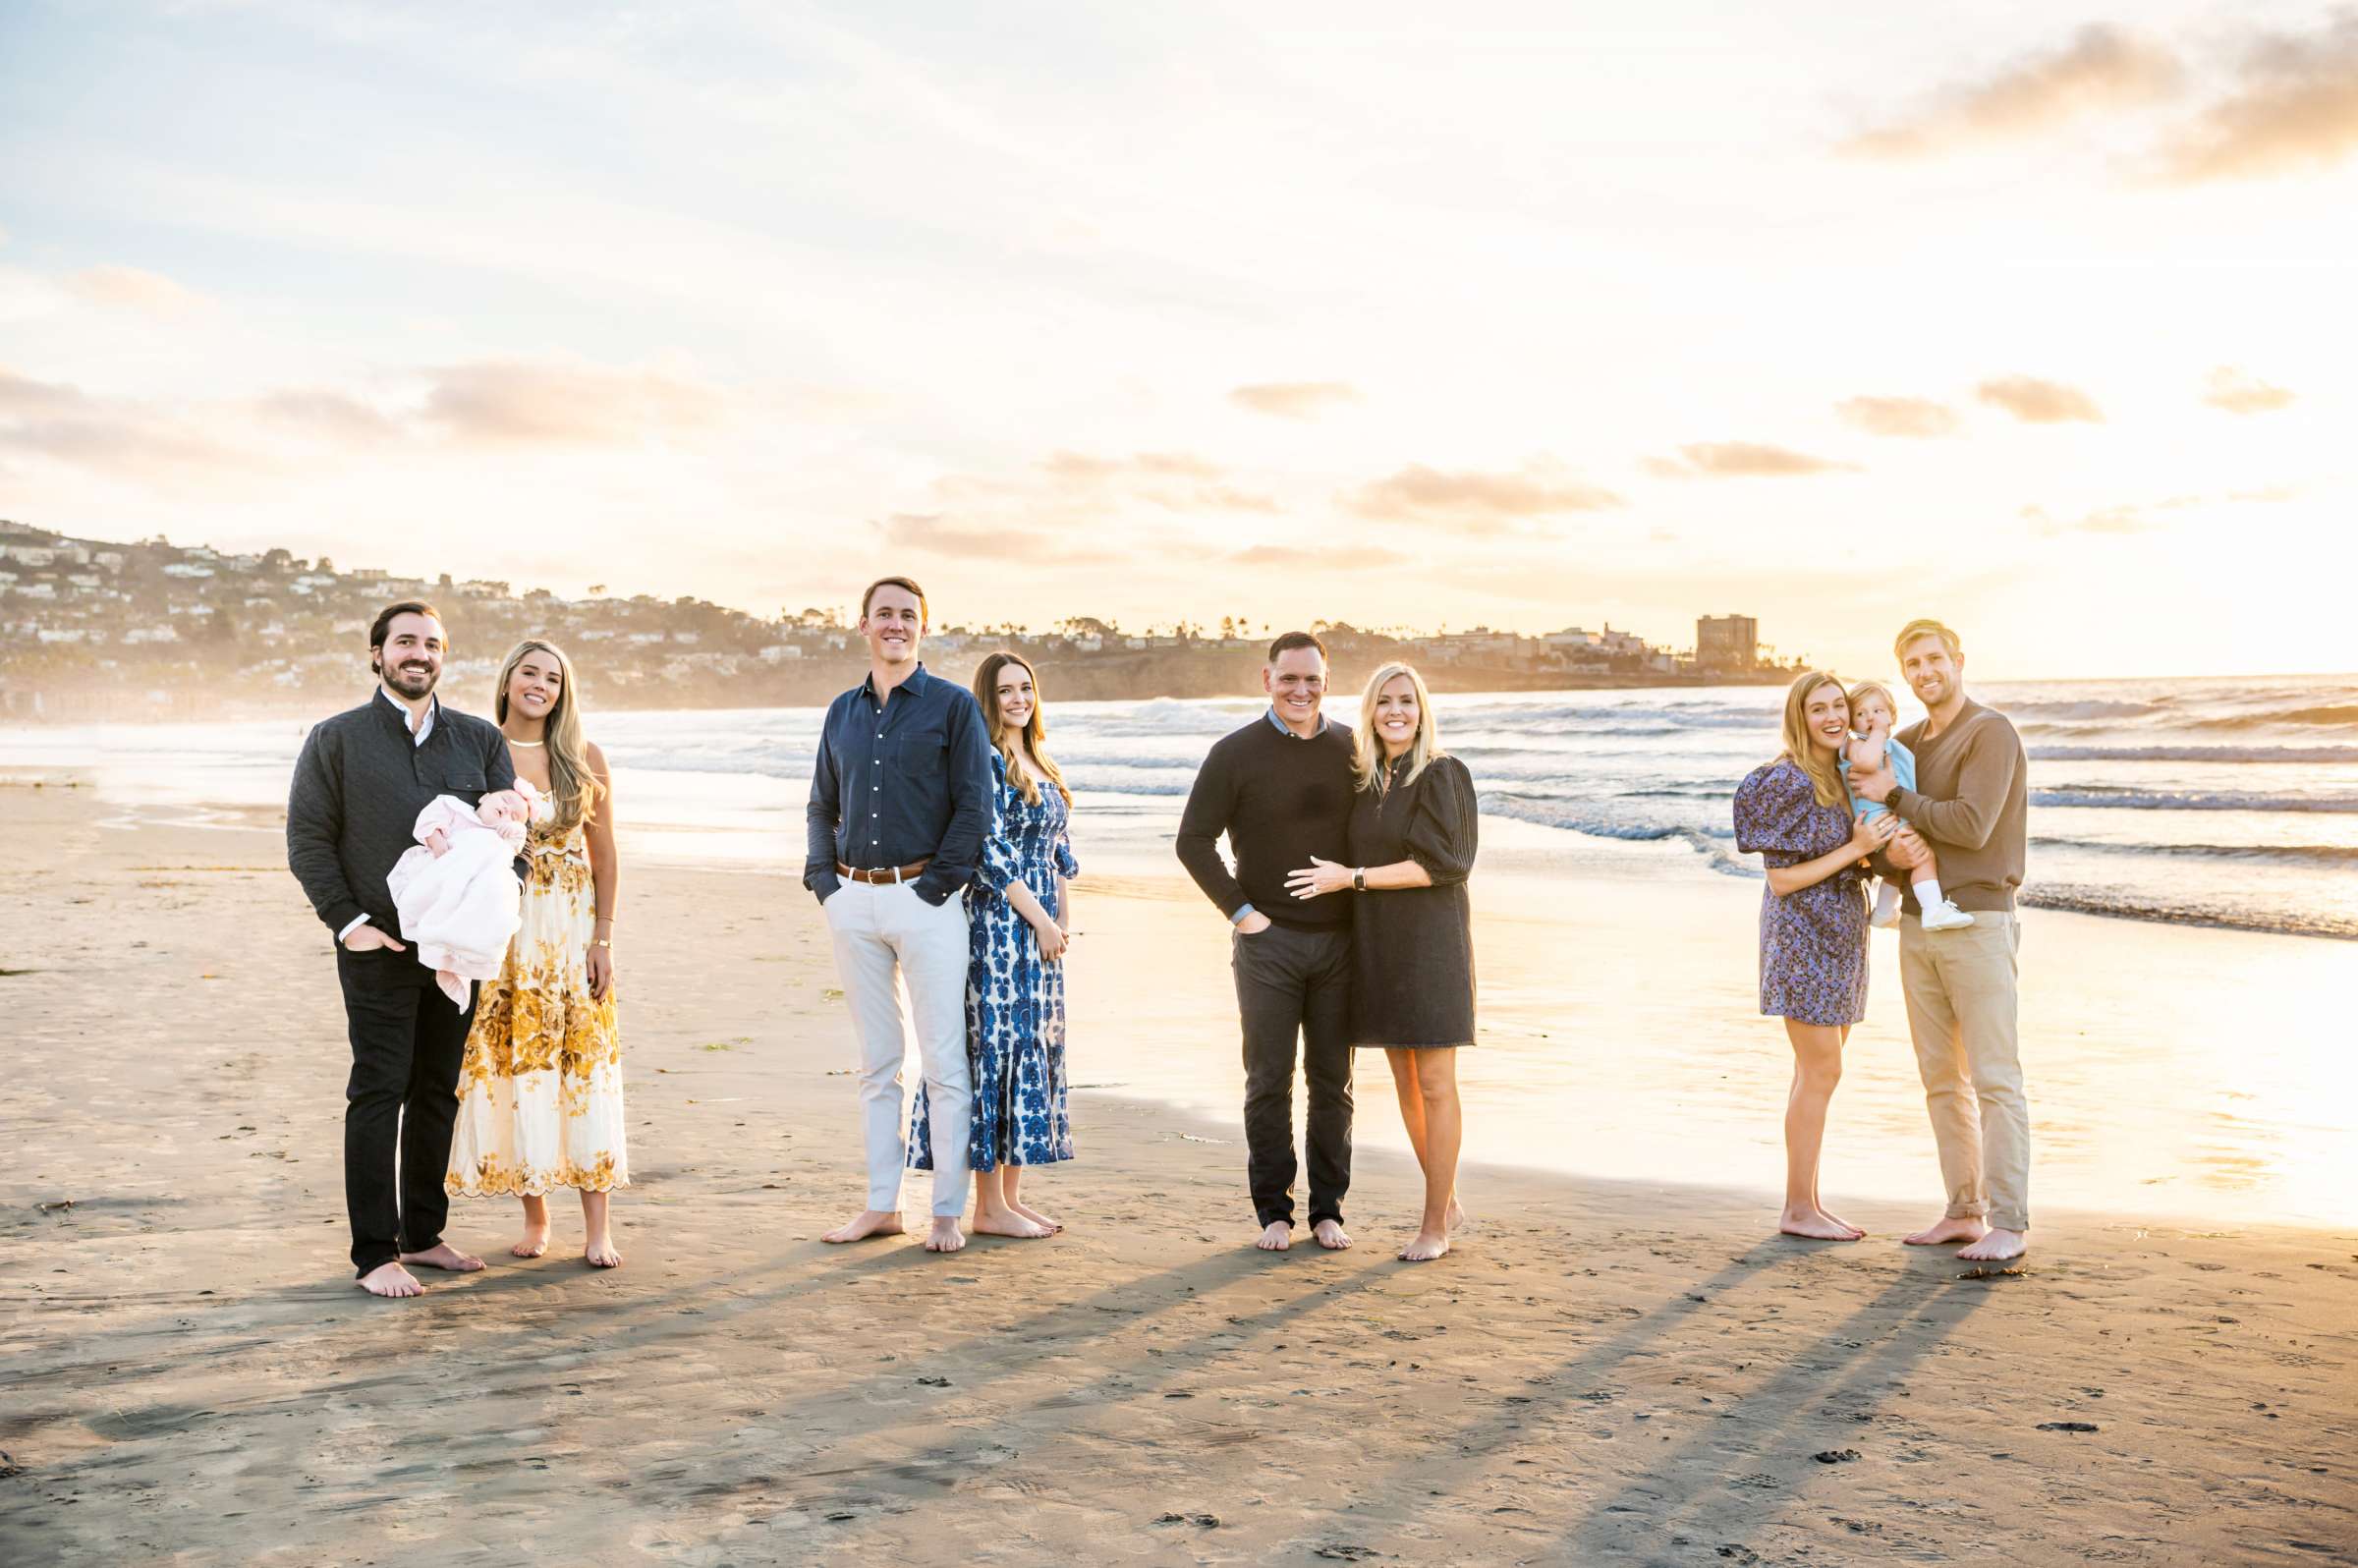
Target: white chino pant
(885,936)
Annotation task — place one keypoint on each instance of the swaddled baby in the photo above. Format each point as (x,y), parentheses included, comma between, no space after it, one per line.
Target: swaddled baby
(456,891)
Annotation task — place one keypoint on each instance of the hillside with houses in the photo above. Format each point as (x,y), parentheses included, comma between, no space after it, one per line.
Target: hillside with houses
(97,630)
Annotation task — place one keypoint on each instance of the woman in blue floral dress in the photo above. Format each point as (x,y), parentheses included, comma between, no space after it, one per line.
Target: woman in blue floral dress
(1795,814)
(1015,975)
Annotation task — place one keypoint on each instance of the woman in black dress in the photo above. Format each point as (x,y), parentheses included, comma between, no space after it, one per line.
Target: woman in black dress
(1412,839)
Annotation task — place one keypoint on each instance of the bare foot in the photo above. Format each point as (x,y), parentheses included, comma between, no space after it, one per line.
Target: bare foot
(443,1255)
(872,1222)
(1942,1232)
(391,1279)
(1999,1247)
(1008,1222)
(1428,1245)
(1815,1225)
(532,1243)
(1034,1215)
(945,1236)
(1331,1234)
(1839,1220)
(600,1254)
(1275,1237)
(1457,1219)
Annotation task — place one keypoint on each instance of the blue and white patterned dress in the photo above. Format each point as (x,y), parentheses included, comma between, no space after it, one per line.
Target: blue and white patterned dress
(1014,999)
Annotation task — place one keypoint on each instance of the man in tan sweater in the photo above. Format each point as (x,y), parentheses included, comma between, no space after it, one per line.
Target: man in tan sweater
(1968,804)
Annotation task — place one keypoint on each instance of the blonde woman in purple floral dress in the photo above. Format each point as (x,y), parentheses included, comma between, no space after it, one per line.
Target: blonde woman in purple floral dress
(1795,814)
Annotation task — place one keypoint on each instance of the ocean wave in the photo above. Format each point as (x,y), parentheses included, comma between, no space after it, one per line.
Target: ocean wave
(2132,800)
(2117,905)
(2194,754)
(2322,856)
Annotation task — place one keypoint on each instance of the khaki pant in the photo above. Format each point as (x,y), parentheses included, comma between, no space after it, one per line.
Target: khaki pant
(1961,1012)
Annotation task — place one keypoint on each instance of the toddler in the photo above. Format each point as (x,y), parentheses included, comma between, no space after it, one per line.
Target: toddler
(1872,713)
(456,891)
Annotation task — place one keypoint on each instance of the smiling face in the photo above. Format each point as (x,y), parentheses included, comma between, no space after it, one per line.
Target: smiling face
(1397,715)
(1826,715)
(1296,683)
(1933,673)
(1016,697)
(894,623)
(535,685)
(410,660)
(1873,716)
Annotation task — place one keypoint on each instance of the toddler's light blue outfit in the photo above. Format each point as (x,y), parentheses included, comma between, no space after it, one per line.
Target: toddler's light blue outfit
(1902,762)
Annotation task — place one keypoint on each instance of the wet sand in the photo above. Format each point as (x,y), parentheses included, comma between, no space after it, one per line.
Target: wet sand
(1602,1371)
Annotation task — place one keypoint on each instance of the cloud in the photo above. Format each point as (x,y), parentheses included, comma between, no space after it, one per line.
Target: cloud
(1473,502)
(1293,400)
(125,437)
(2294,107)
(332,416)
(2109,519)
(1741,460)
(1084,469)
(1356,558)
(2037,402)
(938,533)
(514,402)
(1919,418)
(2102,68)
(2230,389)
(118,288)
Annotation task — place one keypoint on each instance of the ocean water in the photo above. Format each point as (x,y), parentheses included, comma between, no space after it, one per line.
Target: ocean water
(2214,801)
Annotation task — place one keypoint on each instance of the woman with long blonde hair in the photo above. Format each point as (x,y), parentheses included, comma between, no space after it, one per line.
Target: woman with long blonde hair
(1795,813)
(1020,919)
(1413,836)
(541,1091)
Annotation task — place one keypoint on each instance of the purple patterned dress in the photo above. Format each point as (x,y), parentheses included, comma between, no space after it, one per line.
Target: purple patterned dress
(1813,942)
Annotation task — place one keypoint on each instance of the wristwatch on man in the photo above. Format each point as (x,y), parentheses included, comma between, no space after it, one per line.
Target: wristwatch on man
(1359,881)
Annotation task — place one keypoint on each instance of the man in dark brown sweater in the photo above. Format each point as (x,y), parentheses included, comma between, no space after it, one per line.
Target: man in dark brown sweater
(1968,804)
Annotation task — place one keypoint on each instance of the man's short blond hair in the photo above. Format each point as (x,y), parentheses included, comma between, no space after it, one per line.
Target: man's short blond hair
(1926,626)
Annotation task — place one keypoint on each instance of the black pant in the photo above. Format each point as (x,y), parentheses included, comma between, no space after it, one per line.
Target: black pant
(1295,984)
(407,1043)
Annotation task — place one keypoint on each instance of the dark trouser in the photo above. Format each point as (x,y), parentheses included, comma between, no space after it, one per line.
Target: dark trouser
(407,1043)
(1295,984)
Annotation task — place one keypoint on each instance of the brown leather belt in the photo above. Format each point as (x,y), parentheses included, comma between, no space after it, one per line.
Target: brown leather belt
(889,875)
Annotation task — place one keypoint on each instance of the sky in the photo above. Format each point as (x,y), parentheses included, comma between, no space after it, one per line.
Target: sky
(2034,318)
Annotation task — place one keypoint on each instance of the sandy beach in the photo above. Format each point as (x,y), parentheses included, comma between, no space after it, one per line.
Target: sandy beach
(1602,1371)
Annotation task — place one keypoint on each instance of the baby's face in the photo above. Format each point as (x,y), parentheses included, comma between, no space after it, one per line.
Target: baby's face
(504,807)
(1873,716)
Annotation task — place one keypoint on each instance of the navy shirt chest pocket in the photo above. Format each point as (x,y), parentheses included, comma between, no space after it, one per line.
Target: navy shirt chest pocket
(925,751)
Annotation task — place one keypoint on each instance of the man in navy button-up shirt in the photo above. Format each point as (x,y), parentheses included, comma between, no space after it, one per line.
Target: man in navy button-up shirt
(900,798)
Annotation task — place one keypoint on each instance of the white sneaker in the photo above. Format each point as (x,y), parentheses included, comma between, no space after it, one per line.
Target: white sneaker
(1946,916)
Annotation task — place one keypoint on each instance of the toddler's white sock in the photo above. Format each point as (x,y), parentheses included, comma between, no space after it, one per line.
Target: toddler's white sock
(1928,892)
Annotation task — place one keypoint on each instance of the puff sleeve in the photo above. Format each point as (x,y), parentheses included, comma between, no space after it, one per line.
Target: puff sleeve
(1442,831)
(1777,814)
(997,866)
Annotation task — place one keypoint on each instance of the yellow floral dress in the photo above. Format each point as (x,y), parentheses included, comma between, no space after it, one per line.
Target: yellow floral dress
(540,1089)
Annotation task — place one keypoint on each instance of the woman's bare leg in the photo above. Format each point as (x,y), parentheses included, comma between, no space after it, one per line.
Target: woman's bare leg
(1008,1181)
(597,1228)
(993,1214)
(1817,1069)
(1444,1133)
(534,1240)
(1405,1080)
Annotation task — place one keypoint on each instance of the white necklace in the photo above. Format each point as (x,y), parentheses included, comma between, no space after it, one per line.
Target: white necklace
(527,743)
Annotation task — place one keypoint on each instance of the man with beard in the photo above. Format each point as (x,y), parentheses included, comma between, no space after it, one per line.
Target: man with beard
(362,780)
(1969,804)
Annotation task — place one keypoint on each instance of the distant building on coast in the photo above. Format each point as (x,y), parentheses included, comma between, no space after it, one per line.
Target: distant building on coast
(1728,641)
